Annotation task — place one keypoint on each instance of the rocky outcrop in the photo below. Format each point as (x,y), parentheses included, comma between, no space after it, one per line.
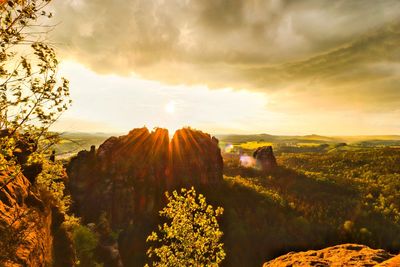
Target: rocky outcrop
(24,225)
(265,159)
(337,256)
(30,224)
(129,173)
(124,180)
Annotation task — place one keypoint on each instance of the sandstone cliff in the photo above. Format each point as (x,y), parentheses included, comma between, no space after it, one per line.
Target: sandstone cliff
(131,172)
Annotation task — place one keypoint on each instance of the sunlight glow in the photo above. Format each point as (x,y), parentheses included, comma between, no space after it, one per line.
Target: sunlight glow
(124,103)
(170,107)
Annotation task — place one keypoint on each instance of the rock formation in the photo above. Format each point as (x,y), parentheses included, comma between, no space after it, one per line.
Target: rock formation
(126,177)
(337,256)
(194,158)
(127,172)
(265,159)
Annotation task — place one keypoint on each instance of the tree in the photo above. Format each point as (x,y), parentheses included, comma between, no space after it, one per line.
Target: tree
(85,243)
(191,235)
(32,98)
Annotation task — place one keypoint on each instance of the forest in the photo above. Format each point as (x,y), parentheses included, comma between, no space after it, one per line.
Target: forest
(322,199)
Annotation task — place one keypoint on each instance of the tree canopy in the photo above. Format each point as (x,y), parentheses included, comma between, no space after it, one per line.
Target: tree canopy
(191,235)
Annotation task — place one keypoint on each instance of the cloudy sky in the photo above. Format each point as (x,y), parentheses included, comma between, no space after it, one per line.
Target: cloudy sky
(232,66)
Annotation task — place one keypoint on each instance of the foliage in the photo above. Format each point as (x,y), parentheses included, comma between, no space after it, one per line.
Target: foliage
(85,243)
(30,95)
(254,184)
(8,163)
(313,200)
(50,181)
(375,173)
(191,237)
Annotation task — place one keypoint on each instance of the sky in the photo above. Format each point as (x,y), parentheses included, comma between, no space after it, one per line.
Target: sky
(231,66)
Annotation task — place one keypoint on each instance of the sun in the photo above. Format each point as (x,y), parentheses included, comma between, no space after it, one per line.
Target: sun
(170,107)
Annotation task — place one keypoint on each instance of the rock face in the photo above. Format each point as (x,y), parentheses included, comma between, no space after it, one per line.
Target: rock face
(27,222)
(194,158)
(341,255)
(393,262)
(265,158)
(24,225)
(130,172)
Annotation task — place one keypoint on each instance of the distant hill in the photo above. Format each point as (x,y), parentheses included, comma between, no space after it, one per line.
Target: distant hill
(72,142)
(238,139)
(315,137)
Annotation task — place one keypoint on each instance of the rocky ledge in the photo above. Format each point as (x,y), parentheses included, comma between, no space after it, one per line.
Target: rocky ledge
(341,255)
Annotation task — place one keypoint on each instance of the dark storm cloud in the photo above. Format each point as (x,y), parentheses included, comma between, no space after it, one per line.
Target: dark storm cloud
(339,50)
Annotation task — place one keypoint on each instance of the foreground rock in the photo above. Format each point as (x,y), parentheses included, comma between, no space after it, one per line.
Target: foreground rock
(341,255)
(393,262)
